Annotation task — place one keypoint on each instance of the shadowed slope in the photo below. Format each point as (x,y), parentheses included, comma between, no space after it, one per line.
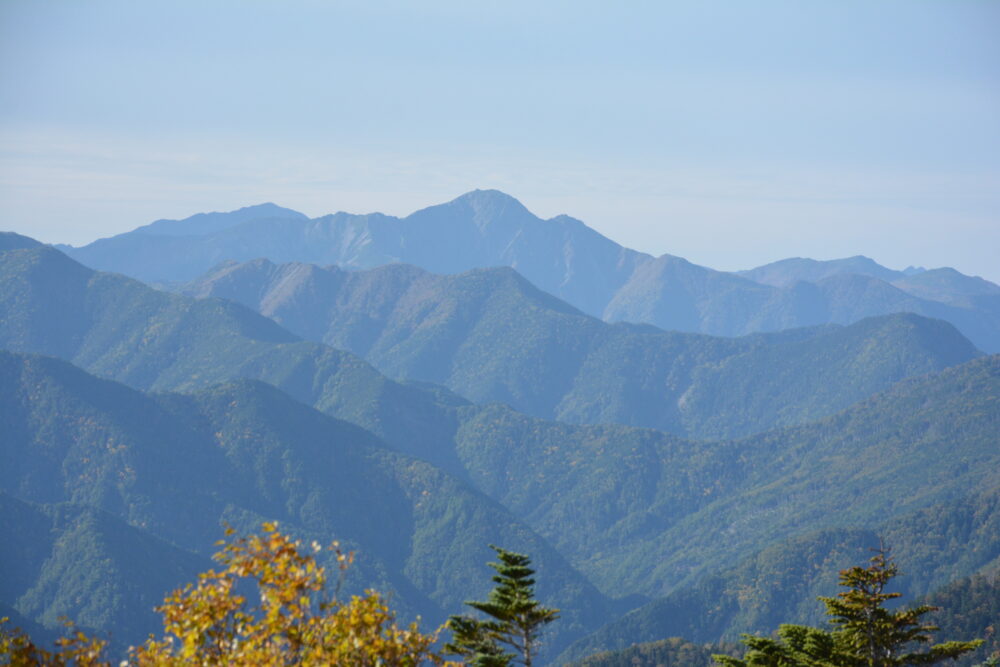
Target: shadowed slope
(175,466)
(780,584)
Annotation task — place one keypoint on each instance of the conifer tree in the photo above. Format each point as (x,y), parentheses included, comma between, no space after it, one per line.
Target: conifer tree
(865,633)
(515,618)
(880,637)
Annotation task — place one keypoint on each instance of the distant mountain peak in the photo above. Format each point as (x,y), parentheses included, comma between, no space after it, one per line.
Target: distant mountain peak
(487,196)
(202,224)
(15,241)
(787,272)
(491,204)
(265,207)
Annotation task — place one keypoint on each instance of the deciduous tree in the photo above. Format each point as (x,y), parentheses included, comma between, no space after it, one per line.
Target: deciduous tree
(211,623)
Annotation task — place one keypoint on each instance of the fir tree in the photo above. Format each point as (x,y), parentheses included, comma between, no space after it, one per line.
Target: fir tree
(515,618)
(880,637)
(865,633)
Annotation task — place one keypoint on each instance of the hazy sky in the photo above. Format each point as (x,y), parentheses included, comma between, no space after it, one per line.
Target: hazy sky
(730,133)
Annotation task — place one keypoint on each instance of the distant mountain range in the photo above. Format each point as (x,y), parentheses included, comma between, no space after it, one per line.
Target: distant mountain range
(682,451)
(561,256)
(889,424)
(490,335)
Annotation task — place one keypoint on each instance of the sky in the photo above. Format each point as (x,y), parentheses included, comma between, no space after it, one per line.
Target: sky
(729,133)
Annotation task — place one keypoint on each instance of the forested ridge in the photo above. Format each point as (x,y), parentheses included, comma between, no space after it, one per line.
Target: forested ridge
(666,485)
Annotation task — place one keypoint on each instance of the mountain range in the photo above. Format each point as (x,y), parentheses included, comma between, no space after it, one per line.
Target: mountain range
(490,335)
(104,481)
(603,507)
(419,388)
(562,256)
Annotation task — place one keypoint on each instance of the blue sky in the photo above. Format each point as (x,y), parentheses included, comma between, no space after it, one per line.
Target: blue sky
(731,133)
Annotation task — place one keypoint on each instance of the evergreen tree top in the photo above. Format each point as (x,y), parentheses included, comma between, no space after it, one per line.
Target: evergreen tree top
(515,617)
(865,633)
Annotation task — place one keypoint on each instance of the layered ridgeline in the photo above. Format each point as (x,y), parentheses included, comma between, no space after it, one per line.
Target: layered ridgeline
(117,496)
(675,294)
(490,335)
(945,551)
(637,510)
(561,256)
(126,476)
(120,328)
(481,228)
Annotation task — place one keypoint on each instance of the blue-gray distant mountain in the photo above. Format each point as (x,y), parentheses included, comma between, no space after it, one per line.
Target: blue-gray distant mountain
(562,256)
(634,510)
(208,223)
(481,228)
(12,241)
(947,285)
(787,272)
(675,294)
(509,333)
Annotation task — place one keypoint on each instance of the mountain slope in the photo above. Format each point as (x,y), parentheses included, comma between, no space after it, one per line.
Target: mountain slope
(78,562)
(655,511)
(119,328)
(174,466)
(491,336)
(948,286)
(662,501)
(167,251)
(203,224)
(880,458)
(780,583)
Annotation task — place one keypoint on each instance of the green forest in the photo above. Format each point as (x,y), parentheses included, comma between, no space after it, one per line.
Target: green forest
(676,492)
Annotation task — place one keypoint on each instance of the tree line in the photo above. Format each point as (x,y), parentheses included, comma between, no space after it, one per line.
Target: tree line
(301,620)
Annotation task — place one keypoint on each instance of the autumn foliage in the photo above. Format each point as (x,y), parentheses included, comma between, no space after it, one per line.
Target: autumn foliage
(297,622)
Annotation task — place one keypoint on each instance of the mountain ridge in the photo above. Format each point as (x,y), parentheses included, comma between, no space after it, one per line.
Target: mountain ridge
(483,333)
(560,255)
(655,508)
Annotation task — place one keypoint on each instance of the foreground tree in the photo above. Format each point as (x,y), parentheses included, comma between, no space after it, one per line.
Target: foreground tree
(865,633)
(76,648)
(515,618)
(296,623)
